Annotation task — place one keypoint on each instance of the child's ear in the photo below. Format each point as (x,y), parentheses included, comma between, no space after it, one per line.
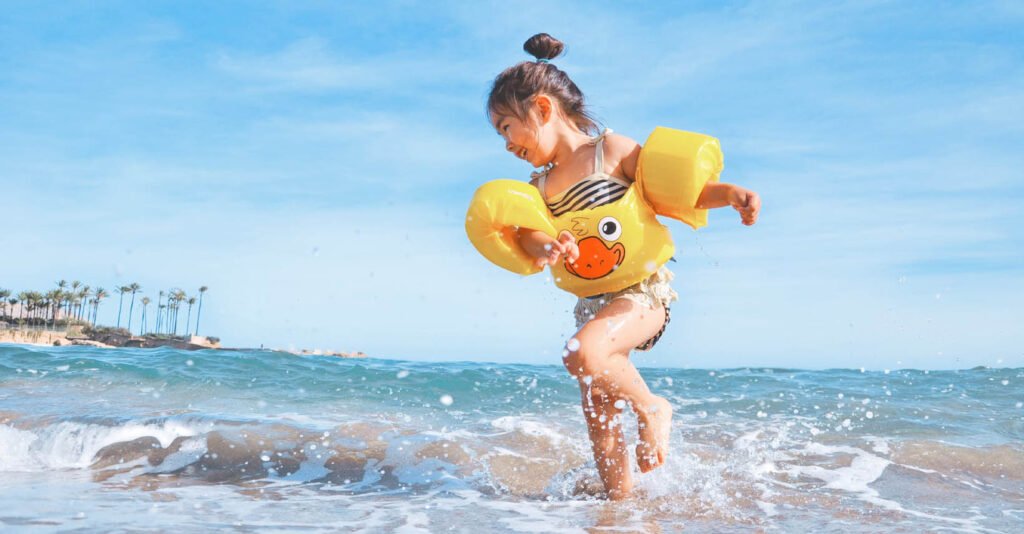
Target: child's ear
(543,103)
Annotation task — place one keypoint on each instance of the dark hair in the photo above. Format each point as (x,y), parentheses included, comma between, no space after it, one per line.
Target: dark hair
(516,85)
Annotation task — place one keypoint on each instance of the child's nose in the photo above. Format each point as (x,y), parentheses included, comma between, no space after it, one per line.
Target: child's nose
(509,146)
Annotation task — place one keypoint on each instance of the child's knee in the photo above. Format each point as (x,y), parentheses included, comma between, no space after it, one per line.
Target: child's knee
(583,359)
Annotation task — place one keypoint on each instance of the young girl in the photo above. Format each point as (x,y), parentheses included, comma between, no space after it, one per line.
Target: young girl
(542,117)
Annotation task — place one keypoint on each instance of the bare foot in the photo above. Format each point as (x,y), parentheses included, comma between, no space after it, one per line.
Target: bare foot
(655,424)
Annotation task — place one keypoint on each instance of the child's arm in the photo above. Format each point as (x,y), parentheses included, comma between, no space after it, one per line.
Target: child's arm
(546,249)
(718,194)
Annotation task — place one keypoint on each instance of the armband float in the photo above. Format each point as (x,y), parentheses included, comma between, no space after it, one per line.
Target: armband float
(620,243)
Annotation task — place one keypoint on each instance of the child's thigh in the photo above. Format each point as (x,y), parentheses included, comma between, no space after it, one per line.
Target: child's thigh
(620,327)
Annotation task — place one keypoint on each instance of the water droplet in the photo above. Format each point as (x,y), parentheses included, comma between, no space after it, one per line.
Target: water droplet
(620,404)
(870,415)
(447,400)
(573,345)
(402,374)
(189,363)
(265,458)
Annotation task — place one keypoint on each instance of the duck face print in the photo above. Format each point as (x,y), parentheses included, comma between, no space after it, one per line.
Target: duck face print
(600,251)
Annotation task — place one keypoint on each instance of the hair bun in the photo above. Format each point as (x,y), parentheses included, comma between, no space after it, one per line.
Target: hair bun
(543,46)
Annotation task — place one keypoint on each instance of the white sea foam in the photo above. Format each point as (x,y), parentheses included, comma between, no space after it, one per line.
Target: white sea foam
(71,445)
(512,423)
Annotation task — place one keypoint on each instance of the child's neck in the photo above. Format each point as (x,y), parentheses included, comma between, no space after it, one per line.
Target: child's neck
(567,141)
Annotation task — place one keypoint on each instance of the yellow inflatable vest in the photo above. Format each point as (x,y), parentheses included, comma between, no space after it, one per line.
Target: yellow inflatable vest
(620,243)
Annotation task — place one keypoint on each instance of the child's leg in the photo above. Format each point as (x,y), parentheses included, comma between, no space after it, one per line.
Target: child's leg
(601,364)
(609,446)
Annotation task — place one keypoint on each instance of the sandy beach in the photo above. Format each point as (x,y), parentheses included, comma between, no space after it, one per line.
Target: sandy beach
(44,338)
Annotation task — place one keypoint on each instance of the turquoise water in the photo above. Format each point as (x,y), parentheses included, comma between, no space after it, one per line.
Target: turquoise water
(219,440)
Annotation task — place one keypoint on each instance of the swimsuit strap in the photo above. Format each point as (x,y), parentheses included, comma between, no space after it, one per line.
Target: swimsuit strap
(541,178)
(599,151)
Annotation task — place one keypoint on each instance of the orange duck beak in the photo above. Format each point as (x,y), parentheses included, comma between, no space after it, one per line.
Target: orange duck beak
(596,259)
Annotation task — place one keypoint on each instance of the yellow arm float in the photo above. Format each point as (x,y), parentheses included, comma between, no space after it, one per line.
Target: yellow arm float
(620,243)
(498,209)
(672,170)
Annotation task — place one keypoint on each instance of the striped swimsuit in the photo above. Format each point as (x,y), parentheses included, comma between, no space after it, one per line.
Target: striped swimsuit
(597,189)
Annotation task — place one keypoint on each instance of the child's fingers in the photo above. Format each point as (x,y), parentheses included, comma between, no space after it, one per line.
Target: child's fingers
(568,245)
(573,253)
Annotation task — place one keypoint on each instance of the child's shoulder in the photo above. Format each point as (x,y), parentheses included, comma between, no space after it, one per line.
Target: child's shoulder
(618,142)
(622,151)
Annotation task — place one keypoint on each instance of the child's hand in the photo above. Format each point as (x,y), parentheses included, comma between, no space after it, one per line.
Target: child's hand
(569,247)
(565,245)
(545,249)
(746,202)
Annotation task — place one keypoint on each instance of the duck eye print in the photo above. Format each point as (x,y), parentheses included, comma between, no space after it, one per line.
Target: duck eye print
(609,228)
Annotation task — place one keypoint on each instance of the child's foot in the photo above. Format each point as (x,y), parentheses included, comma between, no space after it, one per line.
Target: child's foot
(655,424)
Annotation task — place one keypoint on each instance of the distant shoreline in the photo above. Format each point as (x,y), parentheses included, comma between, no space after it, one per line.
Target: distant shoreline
(51,338)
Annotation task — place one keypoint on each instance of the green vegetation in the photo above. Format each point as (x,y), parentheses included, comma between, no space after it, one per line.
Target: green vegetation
(76,304)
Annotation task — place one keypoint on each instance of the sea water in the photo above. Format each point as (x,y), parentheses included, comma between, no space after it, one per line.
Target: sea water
(167,440)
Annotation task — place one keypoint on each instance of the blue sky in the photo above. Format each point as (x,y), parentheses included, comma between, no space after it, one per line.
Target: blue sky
(311,164)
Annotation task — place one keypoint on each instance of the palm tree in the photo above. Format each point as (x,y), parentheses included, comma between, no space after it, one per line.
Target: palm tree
(75,284)
(62,285)
(4,293)
(134,288)
(188,319)
(100,295)
(85,293)
(23,299)
(12,301)
(182,298)
(53,304)
(159,312)
(34,298)
(200,310)
(145,305)
(122,290)
(172,311)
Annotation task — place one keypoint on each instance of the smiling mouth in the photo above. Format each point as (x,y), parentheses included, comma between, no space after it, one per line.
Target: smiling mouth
(522,154)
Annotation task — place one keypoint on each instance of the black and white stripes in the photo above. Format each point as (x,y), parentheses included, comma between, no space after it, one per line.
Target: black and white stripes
(590,193)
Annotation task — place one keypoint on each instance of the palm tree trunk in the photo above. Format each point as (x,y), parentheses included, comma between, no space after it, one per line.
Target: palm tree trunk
(120,303)
(130,310)
(199,311)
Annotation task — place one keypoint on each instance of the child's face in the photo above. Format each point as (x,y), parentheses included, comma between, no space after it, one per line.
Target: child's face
(525,139)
